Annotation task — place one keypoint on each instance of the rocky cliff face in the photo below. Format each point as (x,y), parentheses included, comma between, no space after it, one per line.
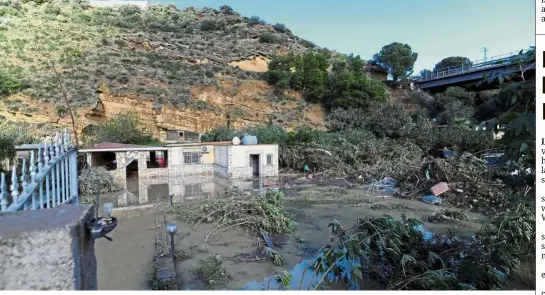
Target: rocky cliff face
(249,106)
(180,69)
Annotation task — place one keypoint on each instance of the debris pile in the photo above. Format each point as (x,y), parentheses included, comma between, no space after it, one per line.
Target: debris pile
(256,213)
(463,181)
(212,270)
(401,255)
(447,215)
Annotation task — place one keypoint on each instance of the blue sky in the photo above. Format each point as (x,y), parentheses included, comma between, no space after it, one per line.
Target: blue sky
(433,28)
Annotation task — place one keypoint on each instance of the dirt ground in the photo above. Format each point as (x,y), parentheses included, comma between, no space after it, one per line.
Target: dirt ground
(313,208)
(126,262)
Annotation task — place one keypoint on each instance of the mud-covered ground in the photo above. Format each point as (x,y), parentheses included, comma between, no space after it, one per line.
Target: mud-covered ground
(313,208)
(126,262)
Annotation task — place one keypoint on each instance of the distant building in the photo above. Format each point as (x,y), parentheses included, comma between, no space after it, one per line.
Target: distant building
(136,168)
(375,72)
(181,136)
(143,4)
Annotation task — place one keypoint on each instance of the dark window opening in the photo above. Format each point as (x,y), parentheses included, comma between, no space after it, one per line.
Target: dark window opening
(157,159)
(269,159)
(192,157)
(191,137)
(193,190)
(104,159)
(173,136)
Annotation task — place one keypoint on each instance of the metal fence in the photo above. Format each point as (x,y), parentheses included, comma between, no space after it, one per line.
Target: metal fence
(49,178)
(494,61)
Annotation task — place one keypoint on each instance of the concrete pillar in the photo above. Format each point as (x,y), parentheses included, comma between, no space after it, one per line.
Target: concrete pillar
(89,159)
(47,250)
(121,174)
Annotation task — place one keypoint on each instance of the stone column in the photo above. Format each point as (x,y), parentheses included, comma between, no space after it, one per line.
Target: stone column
(47,250)
(121,174)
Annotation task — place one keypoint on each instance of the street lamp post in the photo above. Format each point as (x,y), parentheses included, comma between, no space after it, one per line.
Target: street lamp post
(172,229)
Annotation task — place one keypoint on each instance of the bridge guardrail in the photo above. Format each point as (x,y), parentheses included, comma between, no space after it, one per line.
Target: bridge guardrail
(494,61)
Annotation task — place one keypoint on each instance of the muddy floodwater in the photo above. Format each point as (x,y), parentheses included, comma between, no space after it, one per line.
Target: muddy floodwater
(126,262)
(313,208)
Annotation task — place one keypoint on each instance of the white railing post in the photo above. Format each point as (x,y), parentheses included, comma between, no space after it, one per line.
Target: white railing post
(73,162)
(3,193)
(14,186)
(41,182)
(55,167)
(47,179)
(33,178)
(52,172)
(57,170)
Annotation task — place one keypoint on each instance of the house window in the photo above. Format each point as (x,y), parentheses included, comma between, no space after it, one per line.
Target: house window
(269,159)
(192,157)
(191,137)
(193,190)
(173,136)
(157,159)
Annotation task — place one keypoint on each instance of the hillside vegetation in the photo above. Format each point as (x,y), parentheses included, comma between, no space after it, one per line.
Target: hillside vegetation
(163,55)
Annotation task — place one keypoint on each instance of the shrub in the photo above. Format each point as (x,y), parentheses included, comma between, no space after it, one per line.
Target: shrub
(125,127)
(208,25)
(129,10)
(7,148)
(99,180)
(221,133)
(342,119)
(459,93)
(10,82)
(281,28)
(392,121)
(227,10)
(423,99)
(255,20)
(268,37)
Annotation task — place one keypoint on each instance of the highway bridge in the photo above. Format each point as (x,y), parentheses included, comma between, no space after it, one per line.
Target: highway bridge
(466,74)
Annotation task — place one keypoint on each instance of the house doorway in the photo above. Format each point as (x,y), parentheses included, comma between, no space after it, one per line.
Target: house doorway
(132,177)
(254,164)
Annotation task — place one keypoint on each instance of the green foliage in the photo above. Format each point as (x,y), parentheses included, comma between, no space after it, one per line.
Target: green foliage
(268,37)
(396,253)
(12,135)
(212,270)
(255,213)
(452,62)
(515,104)
(7,148)
(397,58)
(348,87)
(256,20)
(221,133)
(512,235)
(125,127)
(209,25)
(281,28)
(10,82)
(99,180)
(345,86)
(227,10)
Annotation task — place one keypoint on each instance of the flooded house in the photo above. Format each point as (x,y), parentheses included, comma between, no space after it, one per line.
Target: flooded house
(184,170)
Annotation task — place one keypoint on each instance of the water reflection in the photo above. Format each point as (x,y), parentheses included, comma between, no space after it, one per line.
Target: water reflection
(193,187)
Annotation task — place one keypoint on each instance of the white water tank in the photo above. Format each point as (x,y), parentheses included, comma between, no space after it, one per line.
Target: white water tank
(249,139)
(236,141)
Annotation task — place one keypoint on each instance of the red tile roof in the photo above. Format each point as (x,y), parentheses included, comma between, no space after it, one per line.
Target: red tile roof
(111,145)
